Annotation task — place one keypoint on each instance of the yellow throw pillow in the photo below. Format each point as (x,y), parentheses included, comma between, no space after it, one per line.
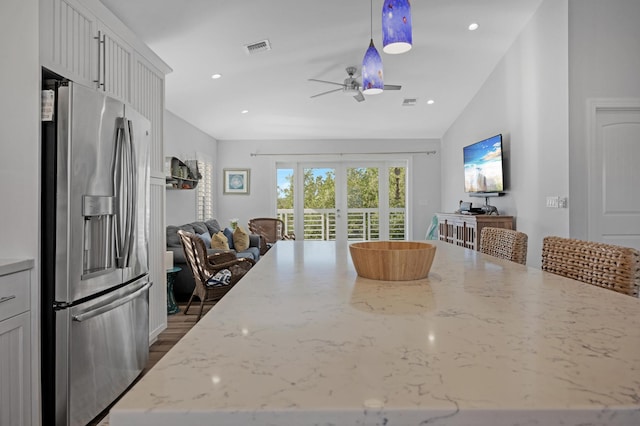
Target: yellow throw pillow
(240,239)
(219,241)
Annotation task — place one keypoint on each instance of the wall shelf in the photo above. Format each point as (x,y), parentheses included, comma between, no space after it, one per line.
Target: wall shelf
(180,175)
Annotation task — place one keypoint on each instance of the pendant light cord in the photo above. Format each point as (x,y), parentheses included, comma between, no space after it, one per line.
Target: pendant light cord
(371,19)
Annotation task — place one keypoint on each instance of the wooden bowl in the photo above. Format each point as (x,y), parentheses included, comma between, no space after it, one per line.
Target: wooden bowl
(392,260)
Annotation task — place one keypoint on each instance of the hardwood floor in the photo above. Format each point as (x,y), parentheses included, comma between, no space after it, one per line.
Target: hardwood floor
(177,326)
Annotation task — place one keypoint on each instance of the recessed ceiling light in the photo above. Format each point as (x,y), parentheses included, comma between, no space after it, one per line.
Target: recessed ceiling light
(474,26)
(216,76)
(431,102)
(244,111)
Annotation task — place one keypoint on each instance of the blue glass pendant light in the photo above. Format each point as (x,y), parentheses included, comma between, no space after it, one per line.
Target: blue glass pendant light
(372,80)
(396,26)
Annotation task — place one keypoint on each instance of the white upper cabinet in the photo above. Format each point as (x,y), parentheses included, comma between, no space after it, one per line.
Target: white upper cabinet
(115,59)
(79,46)
(69,41)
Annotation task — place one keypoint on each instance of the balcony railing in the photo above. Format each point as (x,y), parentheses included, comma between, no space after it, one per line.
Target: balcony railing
(362,224)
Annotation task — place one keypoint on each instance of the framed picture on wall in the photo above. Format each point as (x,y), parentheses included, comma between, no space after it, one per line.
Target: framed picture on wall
(236,181)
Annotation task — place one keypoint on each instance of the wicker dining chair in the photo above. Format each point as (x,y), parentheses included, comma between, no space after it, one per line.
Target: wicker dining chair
(270,229)
(504,243)
(204,267)
(604,265)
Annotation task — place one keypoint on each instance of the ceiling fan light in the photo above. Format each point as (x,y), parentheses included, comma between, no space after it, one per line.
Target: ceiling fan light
(372,77)
(396,26)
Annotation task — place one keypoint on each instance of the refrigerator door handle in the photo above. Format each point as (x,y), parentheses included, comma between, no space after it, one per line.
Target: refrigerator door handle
(127,192)
(132,188)
(110,304)
(117,188)
(123,188)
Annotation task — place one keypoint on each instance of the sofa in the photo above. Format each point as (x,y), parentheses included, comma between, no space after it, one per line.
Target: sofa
(184,283)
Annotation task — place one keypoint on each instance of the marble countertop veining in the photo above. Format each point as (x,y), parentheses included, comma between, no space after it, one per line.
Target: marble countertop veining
(10,266)
(302,340)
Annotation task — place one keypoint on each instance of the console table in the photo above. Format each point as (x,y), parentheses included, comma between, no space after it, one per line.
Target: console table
(464,230)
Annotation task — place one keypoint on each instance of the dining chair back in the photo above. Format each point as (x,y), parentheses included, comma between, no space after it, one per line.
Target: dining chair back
(604,265)
(205,267)
(504,243)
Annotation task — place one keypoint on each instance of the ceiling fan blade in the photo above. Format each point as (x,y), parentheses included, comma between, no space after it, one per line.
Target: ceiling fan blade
(392,87)
(325,93)
(324,81)
(359,97)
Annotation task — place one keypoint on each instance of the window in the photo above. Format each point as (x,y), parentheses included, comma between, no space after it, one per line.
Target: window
(204,195)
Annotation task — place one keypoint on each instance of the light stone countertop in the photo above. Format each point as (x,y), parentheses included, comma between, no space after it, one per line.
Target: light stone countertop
(302,340)
(10,266)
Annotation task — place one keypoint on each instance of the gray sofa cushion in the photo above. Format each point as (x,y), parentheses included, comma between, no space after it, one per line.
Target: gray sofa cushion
(213,226)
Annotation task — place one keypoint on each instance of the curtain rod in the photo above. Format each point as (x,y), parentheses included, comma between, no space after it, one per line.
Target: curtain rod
(258,154)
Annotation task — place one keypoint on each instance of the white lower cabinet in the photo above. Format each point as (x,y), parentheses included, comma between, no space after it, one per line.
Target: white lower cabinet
(15,342)
(15,371)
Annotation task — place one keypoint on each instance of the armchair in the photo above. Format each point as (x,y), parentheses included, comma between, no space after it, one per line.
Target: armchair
(270,229)
(204,268)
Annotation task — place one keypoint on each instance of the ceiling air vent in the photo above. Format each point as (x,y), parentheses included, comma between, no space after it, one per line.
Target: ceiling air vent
(259,46)
(409,102)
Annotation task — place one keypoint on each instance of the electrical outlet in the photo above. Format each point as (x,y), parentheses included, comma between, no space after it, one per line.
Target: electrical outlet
(553,202)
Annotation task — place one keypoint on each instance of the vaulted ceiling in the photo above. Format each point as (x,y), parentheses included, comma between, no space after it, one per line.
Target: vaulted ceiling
(319,39)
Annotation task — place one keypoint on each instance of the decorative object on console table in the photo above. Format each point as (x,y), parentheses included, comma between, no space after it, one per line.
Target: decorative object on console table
(464,230)
(181,175)
(172,306)
(236,181)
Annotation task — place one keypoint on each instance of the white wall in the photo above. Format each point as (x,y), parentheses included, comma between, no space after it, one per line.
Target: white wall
(185,142)
(604,62)
(20,153)
(19,132)
(525,99)
(424,191)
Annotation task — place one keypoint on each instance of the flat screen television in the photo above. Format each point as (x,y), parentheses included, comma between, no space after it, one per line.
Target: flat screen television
(483,171)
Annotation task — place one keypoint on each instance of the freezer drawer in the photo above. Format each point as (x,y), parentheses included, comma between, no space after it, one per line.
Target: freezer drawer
(108,346)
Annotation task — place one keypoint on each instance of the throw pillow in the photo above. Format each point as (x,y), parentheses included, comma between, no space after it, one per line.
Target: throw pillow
(219,241)
(240,239)
(229,234)
(206,238)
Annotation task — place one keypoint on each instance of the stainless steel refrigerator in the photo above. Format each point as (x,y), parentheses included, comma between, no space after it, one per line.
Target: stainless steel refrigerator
(94,233)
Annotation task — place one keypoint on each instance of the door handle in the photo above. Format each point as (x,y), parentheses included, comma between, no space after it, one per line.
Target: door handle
(101,63)
(7,298)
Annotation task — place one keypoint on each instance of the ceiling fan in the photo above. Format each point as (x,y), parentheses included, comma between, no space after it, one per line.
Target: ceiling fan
(350,86)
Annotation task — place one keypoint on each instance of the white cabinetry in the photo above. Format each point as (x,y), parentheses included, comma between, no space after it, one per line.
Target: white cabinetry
(68,40)
(115,58)
(79,46)
(15,347)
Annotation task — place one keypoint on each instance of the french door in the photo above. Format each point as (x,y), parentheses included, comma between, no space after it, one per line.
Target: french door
(354,201)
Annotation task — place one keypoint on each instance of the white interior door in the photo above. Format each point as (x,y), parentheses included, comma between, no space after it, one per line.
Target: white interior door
(614,174)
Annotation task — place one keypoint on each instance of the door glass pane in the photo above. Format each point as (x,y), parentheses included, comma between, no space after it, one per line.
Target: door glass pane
(363,214)
(285,188)
(319,204)
(397,202)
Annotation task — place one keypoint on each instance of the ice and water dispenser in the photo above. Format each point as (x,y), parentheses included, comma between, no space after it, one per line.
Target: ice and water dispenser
(99,241)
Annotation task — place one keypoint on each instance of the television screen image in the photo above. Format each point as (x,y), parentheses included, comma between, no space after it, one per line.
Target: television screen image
(483,166)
